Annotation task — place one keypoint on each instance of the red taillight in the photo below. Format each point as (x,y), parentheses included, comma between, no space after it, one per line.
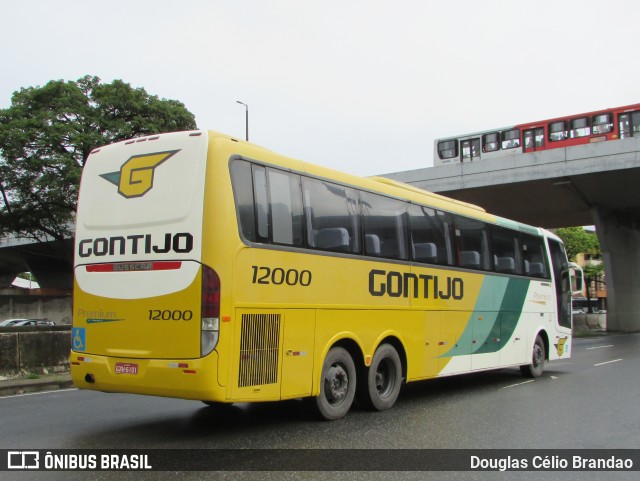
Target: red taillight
(210,293)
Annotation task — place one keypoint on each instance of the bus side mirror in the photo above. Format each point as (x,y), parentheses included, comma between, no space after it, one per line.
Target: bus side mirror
(577,278)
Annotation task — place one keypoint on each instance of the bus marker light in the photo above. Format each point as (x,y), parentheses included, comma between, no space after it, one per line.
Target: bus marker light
(189,371)
(179,365)
(226,318)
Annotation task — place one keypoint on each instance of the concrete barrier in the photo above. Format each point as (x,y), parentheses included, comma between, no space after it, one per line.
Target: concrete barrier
(34,349)
(589,322)
(37,304)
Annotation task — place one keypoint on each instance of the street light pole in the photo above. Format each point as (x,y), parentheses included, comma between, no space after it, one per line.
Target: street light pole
(246,119)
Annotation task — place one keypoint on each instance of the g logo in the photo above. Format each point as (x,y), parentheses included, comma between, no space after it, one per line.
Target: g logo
(135,178)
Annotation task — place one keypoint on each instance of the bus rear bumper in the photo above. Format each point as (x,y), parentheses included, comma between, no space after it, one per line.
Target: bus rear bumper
(180,378)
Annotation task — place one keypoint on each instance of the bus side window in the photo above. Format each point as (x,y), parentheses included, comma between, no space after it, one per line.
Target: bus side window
(285,200)
(430,242)
(504,246)
(383,222)
(471,243)
(261,202)
(533,255)
(243,192)
(332,216)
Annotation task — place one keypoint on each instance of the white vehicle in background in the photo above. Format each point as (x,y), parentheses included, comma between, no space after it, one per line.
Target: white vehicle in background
(11,322)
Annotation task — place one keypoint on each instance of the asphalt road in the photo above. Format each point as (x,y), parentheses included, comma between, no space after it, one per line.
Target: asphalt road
(587,402)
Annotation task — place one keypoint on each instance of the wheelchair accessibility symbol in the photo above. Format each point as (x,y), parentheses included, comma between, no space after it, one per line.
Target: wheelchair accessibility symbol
(78,338)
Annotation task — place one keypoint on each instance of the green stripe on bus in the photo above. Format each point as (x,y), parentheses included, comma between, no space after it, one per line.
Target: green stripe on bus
(511,224)
(485,325)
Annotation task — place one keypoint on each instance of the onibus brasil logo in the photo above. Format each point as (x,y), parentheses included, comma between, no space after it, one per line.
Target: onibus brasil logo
(135,177)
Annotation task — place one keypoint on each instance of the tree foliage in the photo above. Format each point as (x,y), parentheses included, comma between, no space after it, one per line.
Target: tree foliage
(577,240)
(47,134)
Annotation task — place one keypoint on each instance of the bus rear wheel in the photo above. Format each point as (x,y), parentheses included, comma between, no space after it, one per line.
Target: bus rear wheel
(337,386)
(384,378)
(538,356)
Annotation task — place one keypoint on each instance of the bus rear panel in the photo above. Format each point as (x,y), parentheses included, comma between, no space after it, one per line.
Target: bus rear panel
(146,309)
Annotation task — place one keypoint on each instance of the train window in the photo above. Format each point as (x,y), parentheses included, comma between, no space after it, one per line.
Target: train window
(580,127)
(490,142)
(448,149)
(510,139)
(601,124)
(558,131)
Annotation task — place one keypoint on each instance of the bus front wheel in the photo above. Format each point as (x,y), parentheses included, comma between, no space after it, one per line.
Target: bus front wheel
(384,378)
(337,386)
(535,368)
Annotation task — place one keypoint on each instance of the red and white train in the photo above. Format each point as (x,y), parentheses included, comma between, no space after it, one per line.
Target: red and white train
(598,126)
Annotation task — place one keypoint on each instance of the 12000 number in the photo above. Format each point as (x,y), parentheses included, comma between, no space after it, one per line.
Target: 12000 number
(279,276)
(167,315)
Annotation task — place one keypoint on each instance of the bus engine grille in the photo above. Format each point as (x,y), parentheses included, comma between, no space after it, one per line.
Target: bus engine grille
(259,348)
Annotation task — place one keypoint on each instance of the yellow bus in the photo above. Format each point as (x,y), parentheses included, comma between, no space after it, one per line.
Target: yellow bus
(209,268)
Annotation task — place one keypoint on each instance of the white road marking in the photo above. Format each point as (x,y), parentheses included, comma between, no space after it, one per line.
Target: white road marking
(599,347)
(39,392)
(519,384)
(607,362)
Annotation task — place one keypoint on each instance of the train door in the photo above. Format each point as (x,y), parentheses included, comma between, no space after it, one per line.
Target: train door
(629,124)
(534,139)
(470,149)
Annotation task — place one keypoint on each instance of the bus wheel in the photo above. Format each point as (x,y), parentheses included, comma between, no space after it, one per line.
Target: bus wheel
(537,360)
(337,386)
(384,378)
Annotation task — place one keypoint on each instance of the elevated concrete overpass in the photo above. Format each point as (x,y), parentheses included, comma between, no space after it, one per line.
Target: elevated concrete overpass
(595,184)
(50,262)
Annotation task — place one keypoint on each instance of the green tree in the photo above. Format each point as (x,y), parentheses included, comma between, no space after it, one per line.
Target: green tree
(46,136)
(577,240)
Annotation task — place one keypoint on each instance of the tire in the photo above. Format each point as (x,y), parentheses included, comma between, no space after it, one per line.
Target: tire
(538,356)
(384,378)
(337,385)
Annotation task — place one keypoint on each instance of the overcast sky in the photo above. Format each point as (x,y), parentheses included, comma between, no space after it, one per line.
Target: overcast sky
(362,86)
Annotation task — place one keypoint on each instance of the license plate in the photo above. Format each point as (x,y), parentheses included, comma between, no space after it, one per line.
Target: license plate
(126,368)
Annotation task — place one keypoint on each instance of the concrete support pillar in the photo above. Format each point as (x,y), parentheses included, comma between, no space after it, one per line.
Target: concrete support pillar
(619,236)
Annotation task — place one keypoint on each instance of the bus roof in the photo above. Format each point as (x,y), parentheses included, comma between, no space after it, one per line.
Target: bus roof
(377,184)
